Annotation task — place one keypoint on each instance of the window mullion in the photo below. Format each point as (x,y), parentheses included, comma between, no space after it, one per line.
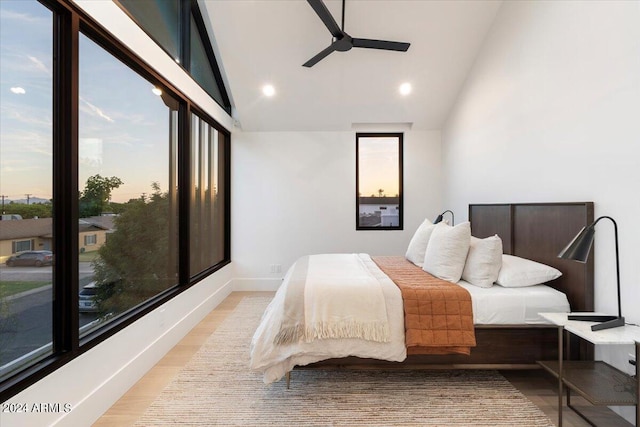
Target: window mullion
(65,183)
(185,33)
(184,192)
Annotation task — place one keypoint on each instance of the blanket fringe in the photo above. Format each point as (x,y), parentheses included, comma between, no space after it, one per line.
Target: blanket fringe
(373,331)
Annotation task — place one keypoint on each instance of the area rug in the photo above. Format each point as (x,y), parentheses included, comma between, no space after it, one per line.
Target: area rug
(217,388)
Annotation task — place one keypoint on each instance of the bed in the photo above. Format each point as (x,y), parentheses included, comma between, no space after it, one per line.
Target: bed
(535,231)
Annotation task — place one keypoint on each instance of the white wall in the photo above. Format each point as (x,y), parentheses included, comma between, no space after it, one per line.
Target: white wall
(293,194)
(551,112)
(94,381)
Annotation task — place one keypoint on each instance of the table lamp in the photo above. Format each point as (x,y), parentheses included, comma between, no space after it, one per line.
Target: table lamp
(578,250)
(439,217)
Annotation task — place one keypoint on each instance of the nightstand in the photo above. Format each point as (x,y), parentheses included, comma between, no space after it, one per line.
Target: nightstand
(596,381)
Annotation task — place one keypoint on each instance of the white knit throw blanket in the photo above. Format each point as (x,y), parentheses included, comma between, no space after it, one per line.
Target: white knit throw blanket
(342,299)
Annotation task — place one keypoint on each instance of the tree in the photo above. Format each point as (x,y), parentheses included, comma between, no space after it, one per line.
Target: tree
(40,210)
(95,198)
(138,259)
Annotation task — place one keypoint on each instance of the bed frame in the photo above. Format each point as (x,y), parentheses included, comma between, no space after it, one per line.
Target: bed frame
(536,231)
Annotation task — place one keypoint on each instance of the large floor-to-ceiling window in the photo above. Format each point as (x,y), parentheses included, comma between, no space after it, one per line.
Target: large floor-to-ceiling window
(95,147)
(26,183)
(125,167)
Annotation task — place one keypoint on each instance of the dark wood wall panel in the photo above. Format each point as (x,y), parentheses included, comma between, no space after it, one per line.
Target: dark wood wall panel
(487,220)
(563,222)
(539,231)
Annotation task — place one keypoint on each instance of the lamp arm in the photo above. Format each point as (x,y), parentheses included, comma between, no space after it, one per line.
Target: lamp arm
(615,231)
(453,219)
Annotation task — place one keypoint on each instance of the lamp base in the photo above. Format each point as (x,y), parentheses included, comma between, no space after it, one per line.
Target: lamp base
(607,321)
(615,323)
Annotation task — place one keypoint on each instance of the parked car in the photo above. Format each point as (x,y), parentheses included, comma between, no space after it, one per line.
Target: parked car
(31,258)
(87,298)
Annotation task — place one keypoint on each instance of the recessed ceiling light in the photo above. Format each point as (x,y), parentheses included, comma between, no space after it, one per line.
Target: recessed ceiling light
(405,89)
(156,91)
(18,90)
(268,90)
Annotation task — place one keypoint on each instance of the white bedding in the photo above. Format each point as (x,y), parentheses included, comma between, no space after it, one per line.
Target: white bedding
(514,306)
(276,360)
(495,305)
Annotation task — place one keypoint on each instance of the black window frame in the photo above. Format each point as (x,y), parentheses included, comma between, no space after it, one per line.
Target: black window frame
(188,9)
(400,137)
(69,22)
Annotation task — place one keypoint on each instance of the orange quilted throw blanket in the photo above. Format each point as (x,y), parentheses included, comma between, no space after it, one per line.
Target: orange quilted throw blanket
(438,315)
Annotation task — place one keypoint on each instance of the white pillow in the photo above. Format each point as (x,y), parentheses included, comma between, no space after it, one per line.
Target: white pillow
(418,244)
(447,251)
(519,272)
(483,261)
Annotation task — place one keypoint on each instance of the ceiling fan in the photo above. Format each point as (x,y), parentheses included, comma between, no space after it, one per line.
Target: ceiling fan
(342,41)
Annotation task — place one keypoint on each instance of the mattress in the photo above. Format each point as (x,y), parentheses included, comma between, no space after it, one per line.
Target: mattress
(514,306)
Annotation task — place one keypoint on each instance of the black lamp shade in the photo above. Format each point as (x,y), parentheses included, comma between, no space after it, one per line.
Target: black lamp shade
(578,249)
(439,217)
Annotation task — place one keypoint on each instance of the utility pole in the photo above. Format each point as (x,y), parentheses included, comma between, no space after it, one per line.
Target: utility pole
(3,196)
(28,197)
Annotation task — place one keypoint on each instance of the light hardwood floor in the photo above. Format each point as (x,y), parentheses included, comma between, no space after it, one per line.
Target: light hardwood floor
(538,386)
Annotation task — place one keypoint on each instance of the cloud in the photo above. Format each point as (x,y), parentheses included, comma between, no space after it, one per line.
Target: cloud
(35,116)
(95,111)
(17,16)
(39,64)
(18,90)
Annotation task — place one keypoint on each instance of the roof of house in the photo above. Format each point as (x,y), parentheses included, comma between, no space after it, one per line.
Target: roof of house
(104,221)
(384,200)
(22,228)
(43,227)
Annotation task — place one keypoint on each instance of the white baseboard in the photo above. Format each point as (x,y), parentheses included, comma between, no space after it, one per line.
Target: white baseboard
(256,284)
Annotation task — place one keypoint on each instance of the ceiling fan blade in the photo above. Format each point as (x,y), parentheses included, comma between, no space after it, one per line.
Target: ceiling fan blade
(381,44)
(324,14)
(313,61)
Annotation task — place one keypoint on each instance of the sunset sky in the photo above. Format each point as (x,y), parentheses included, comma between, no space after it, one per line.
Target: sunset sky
(378,166)
(124,127)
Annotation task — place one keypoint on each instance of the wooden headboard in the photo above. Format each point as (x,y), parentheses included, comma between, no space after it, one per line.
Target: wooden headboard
(539,231)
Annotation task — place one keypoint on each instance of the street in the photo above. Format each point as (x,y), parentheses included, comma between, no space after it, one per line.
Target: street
(27,274)
(27,323)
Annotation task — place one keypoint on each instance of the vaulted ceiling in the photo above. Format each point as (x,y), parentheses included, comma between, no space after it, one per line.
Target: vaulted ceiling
(267,41)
